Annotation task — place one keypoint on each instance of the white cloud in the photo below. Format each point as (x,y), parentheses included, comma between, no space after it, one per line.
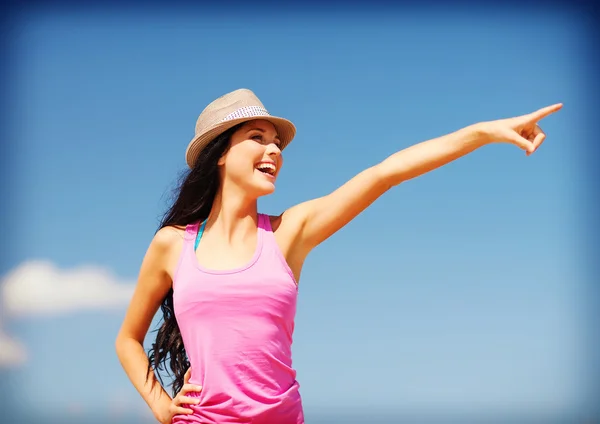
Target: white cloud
(12,353)
(40,288)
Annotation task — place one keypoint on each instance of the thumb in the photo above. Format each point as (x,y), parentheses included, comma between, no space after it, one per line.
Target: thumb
(515,138)
(186,377)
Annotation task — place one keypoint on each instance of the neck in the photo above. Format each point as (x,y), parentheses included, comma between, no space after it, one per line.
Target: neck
(233,215)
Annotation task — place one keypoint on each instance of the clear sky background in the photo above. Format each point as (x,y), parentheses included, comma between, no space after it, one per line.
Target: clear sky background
(463,291)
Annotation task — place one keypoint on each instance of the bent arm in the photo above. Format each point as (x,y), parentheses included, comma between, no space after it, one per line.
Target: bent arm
(322,217)
(153,284)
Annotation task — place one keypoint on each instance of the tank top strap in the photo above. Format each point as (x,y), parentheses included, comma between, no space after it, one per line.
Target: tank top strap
(264,223)
(184,263)
(191,230)
(270,244)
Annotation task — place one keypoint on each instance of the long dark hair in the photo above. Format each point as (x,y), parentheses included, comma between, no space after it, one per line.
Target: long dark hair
(194,198)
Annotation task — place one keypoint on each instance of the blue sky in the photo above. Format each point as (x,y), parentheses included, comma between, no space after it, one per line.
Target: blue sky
(460,291)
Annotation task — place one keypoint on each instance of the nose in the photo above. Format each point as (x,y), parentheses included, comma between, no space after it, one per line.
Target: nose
(273,149)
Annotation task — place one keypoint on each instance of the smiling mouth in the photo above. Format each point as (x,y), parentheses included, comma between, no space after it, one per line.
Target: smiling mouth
(267,168)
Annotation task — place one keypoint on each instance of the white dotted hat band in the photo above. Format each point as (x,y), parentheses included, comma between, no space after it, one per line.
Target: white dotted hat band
(247,112)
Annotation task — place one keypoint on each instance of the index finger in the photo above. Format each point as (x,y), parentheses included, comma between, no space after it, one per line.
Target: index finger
(543,112)
(187,388)
(187,375)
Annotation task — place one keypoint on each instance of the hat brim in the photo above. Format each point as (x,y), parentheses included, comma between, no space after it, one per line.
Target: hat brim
(285,129)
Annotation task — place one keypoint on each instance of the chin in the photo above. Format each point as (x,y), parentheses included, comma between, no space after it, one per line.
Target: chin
(259,190)
(265,190)
(262,186)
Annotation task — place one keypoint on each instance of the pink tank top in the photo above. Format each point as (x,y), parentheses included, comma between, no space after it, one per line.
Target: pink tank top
(237,328)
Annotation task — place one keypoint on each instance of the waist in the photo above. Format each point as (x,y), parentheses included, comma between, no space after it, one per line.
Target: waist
(249,372)
(241,405)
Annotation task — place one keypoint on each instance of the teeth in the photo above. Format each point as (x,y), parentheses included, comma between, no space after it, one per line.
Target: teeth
(267,167)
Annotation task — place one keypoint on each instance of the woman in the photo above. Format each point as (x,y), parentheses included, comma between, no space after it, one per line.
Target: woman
(226,276)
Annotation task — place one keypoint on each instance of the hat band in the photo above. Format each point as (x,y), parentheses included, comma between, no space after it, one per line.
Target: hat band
(247,112)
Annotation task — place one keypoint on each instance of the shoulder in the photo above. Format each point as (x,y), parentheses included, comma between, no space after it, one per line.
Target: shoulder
(166,242)
(289,220)
(165,248)
(167,237)
(288,226)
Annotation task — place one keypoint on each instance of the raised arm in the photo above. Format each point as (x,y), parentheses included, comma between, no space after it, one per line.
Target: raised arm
(318,219)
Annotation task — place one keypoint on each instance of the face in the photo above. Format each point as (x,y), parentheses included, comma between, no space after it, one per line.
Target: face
(253,160)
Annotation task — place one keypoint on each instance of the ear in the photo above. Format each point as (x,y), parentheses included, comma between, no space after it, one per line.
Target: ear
(221,160)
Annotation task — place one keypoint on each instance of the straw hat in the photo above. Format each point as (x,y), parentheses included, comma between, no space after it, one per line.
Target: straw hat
(226,112)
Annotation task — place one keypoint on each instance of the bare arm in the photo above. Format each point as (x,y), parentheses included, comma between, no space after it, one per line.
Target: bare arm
(318,219)
(153,284)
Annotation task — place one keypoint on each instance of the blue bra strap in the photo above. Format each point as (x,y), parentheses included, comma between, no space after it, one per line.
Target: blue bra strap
(199,235)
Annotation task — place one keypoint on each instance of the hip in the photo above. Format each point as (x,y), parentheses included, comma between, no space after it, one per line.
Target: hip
(245,408)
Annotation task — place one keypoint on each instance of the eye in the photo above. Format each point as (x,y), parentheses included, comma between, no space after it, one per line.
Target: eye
(261,139)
